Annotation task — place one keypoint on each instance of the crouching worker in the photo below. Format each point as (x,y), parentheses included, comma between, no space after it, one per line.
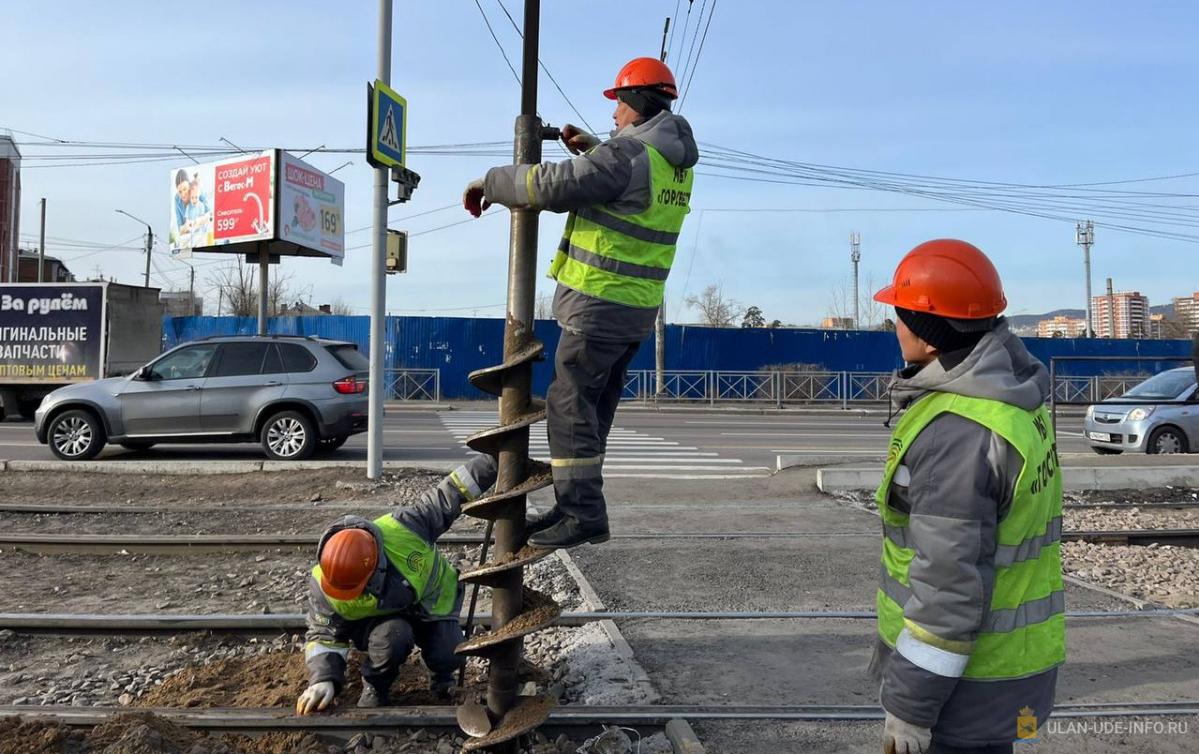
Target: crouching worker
(383,587)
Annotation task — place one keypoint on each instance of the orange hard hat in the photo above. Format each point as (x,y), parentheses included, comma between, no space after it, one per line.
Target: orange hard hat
(348,561)
(644,73)
(948,278)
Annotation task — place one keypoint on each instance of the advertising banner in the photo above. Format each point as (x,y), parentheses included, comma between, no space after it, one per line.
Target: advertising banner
(51,333)
(311,207)
(221,203)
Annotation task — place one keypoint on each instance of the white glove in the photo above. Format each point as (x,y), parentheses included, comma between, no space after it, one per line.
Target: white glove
(473,199)
(577,140)
(901,737)
(315,698)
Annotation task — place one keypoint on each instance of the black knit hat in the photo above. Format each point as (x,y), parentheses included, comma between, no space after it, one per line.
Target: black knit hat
(943,333)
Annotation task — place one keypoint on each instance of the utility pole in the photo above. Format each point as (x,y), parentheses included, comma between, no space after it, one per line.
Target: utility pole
(191,289)
(1084,236)
(855,256)
(660,320)
(41,246)
(375,390)
(149,241)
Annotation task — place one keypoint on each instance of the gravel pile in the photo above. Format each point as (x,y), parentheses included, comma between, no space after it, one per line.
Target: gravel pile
(1166,494)
(1162,574)
(1093,519)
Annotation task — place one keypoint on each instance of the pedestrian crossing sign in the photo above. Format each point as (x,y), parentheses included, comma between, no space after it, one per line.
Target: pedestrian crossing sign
(387,125)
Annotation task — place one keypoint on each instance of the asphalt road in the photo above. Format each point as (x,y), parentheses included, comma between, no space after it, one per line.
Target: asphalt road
(644,442)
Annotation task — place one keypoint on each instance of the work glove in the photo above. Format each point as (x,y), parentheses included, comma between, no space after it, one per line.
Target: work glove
(315,698)
(901,737)
(578,141)
(473,199)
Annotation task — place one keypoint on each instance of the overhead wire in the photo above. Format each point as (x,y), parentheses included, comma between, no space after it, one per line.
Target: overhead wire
(691,71)
(673,25)
(694,37)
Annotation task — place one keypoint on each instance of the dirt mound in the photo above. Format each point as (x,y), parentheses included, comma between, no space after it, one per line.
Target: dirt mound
(276,679)
(20,737)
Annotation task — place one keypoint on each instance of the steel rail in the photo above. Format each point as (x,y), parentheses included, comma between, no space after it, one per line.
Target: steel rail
(90,623)
(283,719)
(170,543)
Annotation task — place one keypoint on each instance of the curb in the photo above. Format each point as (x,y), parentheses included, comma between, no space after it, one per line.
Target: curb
(183,468)
(1074,478)
(808,461)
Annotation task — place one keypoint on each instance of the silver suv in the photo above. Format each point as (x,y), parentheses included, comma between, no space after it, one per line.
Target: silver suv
(294,395)
(1160,415)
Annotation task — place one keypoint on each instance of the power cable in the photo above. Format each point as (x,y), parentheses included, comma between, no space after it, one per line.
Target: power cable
(691,72)
(686,21)
(694,36)
(673,25)
(498,44)
(545,68)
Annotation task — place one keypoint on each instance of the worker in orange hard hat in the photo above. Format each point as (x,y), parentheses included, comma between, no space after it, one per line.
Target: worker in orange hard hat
(970,608)
(627,198)
(383,587)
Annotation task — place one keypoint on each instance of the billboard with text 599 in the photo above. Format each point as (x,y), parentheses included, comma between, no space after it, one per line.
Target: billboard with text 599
(311,208)
(222,203)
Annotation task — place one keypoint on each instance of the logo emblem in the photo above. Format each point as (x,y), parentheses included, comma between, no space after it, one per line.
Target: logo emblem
(1026,726)
(415,562)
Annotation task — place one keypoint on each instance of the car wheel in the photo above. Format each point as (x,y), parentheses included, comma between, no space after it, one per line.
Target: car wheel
(330,444)
(1166,440)
(137,445)
(288,436)
(76,435)
(1106,451)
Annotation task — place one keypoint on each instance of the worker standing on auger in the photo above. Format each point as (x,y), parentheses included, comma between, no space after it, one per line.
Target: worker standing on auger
(627,198)
(971,609)
(383,587)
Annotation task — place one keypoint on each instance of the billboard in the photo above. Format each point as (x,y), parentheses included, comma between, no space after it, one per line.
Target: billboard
(267,200)
(51,333)
(311,206)
(222,203)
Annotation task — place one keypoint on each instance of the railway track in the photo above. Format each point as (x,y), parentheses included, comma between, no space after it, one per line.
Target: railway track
(149,623)
(273,719)
(180,543)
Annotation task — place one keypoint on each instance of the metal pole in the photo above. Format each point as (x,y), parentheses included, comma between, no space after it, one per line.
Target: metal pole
(665,29)
(374,440)
(191,290)
(149,249)
(1111,310)
(1084,236)
(855,255)
(264,284)
(660,350)
(41,246)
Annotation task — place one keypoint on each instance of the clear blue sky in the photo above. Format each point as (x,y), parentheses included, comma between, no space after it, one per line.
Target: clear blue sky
(1021,92)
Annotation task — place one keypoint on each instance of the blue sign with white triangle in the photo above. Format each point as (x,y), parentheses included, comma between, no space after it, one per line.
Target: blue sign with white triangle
(388,125)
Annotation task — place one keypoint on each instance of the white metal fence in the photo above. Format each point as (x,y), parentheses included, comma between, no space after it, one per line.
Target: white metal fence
(1093,389)
(413,384)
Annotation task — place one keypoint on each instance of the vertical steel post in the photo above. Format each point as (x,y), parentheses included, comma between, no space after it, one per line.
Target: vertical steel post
(506,597)
(41,246)
(375,388)
(264,286)
(149,249)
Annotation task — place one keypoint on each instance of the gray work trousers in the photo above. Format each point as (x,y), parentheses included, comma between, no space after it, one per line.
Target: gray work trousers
(387,641)
(589,377)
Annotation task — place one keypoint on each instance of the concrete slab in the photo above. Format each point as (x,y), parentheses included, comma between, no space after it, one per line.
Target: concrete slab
(1074,478)
(170,467)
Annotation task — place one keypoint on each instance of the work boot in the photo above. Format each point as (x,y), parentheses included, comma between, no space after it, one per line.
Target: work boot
(569,532)
(372,696)
(542,521)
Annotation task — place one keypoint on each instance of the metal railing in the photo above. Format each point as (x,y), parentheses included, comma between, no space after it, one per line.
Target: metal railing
(413,384)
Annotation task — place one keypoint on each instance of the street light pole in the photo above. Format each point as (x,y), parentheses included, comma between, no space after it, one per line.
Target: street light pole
(375,389)
(149,242)
(1084,236)
(855,256)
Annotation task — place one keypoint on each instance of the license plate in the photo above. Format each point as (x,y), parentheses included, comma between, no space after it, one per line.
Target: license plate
(1100,436)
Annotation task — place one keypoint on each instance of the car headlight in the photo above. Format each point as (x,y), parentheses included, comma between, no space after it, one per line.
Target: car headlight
(1137,414)
(1090,411)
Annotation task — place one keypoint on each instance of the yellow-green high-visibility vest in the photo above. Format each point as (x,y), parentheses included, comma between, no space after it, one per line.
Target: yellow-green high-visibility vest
(1023,630)
(430,574)
(626,258)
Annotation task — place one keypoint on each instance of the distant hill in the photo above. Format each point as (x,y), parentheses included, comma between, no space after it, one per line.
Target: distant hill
(1020,321)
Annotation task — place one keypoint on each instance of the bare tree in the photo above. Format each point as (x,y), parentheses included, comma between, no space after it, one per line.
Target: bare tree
(341,308)
(544,308)
(714,309)
(236,286)
(870,312)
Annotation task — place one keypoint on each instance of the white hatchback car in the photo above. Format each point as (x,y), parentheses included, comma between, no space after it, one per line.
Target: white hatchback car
(1160,415)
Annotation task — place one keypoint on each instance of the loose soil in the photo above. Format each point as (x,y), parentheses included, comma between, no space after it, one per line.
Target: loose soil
(340,484)
(1146,495)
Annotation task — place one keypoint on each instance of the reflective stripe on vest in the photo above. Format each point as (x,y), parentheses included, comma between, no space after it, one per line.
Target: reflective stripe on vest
(432,578)
(627,258)
(1023,629)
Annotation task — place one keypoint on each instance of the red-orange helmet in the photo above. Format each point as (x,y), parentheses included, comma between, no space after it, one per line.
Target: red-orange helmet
(948,278)
(644,73)
(348,560)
